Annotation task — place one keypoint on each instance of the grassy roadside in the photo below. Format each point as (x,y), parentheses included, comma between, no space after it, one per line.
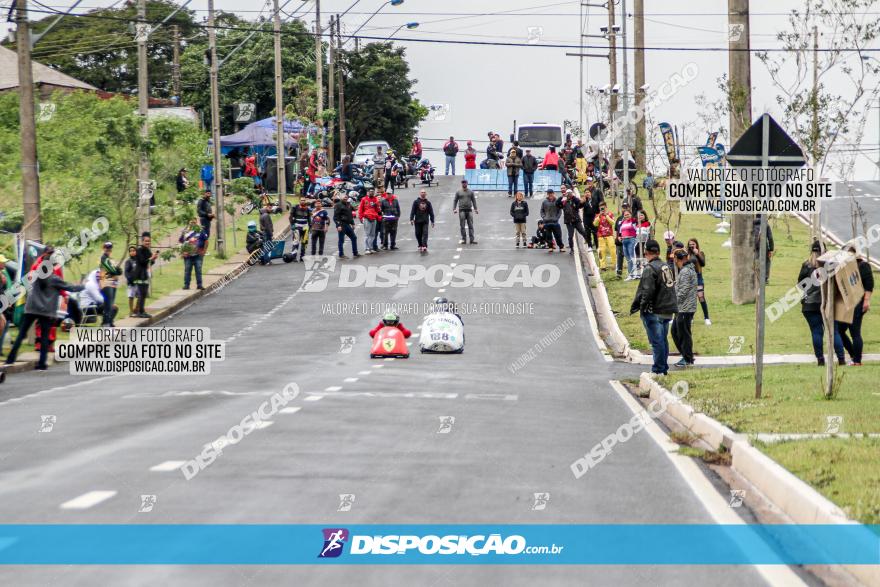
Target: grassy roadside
(788,334)
(846,471)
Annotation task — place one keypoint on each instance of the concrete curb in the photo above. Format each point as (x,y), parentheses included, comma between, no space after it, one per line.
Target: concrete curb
(609,329)
(799,501)
(175,301)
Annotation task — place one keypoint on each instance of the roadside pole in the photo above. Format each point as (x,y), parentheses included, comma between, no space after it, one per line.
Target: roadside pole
(762,269)
(279,114)
(331,75)
(30,176)
(343,138)
(215,134)
(142,34)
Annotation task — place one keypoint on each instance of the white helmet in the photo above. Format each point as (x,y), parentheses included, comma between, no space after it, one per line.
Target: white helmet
(353,194)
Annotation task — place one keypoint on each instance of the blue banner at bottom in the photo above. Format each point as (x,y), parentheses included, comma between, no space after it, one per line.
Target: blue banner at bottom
(654,544)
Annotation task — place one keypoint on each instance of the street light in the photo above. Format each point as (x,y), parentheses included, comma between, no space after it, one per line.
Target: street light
(410,26)
(391,2)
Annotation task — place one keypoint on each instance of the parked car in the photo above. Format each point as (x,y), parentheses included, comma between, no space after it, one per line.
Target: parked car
(366,149)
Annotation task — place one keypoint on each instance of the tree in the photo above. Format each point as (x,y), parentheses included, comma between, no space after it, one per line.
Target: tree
(379,97)
(100,49)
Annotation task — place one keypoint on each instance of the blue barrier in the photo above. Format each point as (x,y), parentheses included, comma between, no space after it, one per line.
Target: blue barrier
(496,180)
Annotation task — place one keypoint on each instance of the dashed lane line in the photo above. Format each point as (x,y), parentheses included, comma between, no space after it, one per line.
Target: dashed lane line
(167,466)
(87,500)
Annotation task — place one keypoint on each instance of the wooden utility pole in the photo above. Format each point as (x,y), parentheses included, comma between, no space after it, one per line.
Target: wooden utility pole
(815,221)
(279,115)
(142,34)
(742,251)
(340,81)
(330,98)
(30,173)
(612,61)
(215,135)
(175,63)
(319,67)
(639,30)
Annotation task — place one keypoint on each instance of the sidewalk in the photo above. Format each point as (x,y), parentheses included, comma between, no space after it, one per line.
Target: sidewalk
(167,305)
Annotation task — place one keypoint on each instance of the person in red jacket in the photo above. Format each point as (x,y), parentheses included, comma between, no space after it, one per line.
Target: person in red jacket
(470,156)
(393,320)
(416,152)
(370,214)
(551,159)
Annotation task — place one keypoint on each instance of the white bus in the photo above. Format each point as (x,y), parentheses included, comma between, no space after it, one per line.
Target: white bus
(538,136)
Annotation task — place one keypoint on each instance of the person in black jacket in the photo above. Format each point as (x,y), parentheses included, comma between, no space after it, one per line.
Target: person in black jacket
(390,208)
(144,258)
(592,199)
(756,233)
(855,345)
(655,300)
(41,307)
(344,220)
(128,269)
(570,206)
(529,166)
(519,211)
(206,215)
(811,308)
(421,213)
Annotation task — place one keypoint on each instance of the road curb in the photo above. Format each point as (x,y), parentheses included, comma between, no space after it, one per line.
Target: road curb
(799,501)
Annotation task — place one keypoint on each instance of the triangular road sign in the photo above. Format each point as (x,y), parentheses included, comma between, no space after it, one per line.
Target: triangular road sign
(766,144)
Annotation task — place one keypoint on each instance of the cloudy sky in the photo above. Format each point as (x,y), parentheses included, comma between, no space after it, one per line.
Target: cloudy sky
(488,87)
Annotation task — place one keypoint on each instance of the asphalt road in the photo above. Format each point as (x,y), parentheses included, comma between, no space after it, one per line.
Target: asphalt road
(838,217)
(365,427)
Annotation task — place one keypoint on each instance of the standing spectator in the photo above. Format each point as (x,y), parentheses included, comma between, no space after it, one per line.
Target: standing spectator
(519,211)
(669,239)
(515,147)
(129,269)
(7,278)
(41,307)
(571,205)
(312,170)
(529,166)
(390,170)
(513,164)
(499,144)
(756,233)
(420,215)
(390,207)
(580,165)
(319,223)
(604,224)
(627,235)
(344,220)
(144,258)
(550,210)
(193,240)
(686,297)
(655,300)
(450,149)
(492,156)
(205,212)
(618,242)
(378,167)
(855,345)
(643,234)
(811,307)
(699,259)
(370,214)
(266,223)
(648,184)
(592,199)
(416,152)
(464,203)
(470,156)
(182,180)
(300,217)
(551,159)
(345,168)
(250,168)
(108,278)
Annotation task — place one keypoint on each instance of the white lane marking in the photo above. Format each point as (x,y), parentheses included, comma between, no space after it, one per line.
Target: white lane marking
(289,410)
(350,379)
(453,264)
(167,466)
(717,506)
(442,290)
(263,424)
(389,359)
(456,256)
(594,326)
(378,366)
(458,249)
(87,500)
(59,388)
(333,388)
(364,372)
(312,398)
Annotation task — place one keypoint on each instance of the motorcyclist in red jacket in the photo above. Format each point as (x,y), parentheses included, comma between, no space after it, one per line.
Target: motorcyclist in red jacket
(393,320)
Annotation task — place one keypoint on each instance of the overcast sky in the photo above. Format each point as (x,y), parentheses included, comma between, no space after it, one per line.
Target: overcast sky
(487,88)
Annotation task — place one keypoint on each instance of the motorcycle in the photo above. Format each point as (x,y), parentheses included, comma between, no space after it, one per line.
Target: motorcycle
(426,172)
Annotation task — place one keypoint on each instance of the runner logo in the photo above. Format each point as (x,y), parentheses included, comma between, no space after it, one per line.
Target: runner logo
(334,540)
(47,423)
(541,501)
(346,344)
(147,503)
(736,497)
(735,344)
(317,273)
(446,423)
(833,424)
(346,500)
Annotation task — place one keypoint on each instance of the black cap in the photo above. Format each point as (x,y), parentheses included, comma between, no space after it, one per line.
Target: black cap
(145,233)
(550,191)
(652,246)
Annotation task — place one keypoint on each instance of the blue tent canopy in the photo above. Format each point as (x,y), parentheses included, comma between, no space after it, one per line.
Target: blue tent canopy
(262,134)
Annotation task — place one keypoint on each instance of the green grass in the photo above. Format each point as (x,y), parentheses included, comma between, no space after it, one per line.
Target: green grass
(792,399)
(846,471)
(789,334)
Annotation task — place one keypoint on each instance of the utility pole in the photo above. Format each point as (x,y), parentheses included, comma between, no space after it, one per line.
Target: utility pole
(30,176)
(215,134)
(742,251)
(142,34)
(581,74)
(175,63)
(340,81)
(815,221)
(330,97)
(639,30)
(612,61)
(319,67)
(626,142)
(279,115)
